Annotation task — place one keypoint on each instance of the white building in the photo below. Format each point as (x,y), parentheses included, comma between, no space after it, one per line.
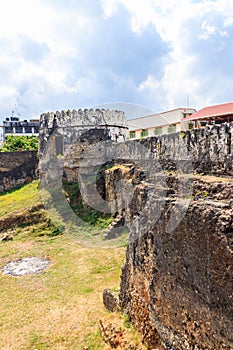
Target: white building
(14,126)
(1,135)
(160,123)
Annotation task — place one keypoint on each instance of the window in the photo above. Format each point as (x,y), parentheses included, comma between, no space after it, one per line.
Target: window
(158,131)
(144,133)
(203,123)
(132,134)
(8,129)
(28,129)
(18,129)
(187,114)
(190,126)
(171,128)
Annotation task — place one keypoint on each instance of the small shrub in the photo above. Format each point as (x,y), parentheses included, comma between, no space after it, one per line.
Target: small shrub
(127,321)
(182,134)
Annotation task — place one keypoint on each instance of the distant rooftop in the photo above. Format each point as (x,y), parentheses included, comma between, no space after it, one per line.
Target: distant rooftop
(158,119)
(223,109)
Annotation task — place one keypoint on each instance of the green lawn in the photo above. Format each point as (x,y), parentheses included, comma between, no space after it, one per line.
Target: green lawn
(25,196)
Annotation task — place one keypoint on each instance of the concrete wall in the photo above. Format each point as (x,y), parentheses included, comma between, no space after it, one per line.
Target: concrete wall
(17,168)
(163,129)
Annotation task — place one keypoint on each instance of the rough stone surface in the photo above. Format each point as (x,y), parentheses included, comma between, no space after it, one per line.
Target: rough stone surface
(71,135)
(31,215)
(210,150)
(17,168)
(117,338)
(177,286)
(6,237)
(110,300)
(75,125)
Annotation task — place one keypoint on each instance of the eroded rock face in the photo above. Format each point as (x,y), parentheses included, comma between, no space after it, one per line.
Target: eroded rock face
(110,300)
(177,286)
(17,168)
(176,283)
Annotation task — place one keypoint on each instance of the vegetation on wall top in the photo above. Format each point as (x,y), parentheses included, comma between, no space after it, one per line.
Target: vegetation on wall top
(20,143)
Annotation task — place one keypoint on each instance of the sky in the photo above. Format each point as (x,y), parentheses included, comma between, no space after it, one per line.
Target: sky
(71,54)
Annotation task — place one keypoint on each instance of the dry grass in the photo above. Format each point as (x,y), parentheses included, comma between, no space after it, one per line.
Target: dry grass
(213,179)
(58,309)
(61,307)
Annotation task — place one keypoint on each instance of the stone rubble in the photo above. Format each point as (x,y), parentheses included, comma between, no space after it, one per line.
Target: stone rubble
(26,266)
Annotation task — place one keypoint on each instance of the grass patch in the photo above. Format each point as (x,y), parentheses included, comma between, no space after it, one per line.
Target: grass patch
(88,229)
(59,308)
(36,231)
(36,342)
(127,321)
(27,195)
(94,341)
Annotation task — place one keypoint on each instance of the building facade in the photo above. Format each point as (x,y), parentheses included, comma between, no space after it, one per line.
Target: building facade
(14,126)
(160,123)
(217,114)
(1,135)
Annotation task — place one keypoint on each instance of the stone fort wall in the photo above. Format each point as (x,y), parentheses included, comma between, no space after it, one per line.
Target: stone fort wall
(210,150)
(176,286)
(17,168)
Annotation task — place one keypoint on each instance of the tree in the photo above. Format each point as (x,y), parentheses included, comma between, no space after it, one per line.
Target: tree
(20,143)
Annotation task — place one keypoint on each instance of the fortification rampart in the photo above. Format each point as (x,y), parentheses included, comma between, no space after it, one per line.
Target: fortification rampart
(209,149)
(176,284)
(78,125)
(17,168)
(70,134)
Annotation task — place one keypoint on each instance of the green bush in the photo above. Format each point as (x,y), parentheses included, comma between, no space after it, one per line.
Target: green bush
(20,143)
(182,134)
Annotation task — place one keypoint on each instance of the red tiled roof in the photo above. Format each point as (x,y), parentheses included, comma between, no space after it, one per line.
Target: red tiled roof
(212,111)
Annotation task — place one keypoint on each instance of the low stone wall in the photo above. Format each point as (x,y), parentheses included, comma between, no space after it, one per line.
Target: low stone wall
(17,168)
(209,150)
(200,151)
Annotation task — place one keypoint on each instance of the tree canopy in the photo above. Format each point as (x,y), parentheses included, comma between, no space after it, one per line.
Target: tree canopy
(19,143)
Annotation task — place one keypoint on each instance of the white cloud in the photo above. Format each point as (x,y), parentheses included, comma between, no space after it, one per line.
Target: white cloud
(191,67)
(71,54)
